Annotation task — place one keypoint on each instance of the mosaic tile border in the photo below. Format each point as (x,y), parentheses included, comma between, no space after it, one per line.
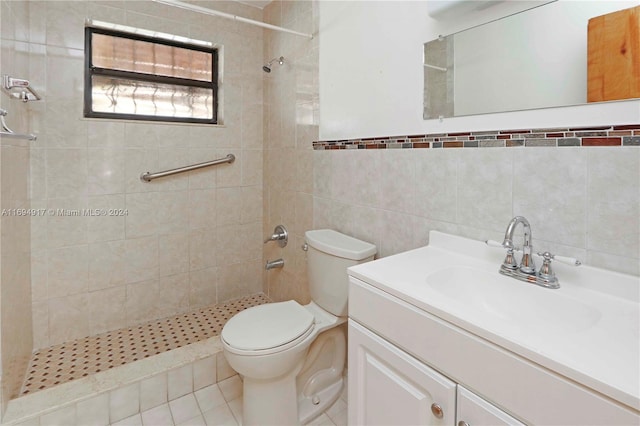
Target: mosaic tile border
(618,135)
(79,358)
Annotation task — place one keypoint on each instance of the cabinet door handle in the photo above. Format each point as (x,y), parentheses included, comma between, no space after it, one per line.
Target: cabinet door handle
(436,409)
(463,423)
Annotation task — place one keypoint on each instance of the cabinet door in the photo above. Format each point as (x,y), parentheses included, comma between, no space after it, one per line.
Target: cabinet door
(387,386)
(475,411)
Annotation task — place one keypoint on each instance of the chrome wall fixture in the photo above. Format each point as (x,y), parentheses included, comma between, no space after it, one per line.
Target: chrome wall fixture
(19,88)
(148,177)
(280,235)
(5,131)
(274,264)
(267,66)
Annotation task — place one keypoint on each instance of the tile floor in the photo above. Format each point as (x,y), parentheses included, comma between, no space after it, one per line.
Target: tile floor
(219,404)
(79,358)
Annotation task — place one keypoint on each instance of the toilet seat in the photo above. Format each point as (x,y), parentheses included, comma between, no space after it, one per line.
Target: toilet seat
(268,328)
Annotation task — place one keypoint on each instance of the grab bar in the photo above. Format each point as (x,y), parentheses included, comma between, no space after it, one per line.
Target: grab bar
(148,177)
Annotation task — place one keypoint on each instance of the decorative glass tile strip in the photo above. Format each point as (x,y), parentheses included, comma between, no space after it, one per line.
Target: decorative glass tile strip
(617,135)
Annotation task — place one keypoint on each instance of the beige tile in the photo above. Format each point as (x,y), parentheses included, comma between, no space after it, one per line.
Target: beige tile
(65,72)
(124,402)
(138,161)
(173,253)
(94,411)
(66,222)
(195,421)
(62,416)
(204,374)
(135,420)
(68,271)
(251,204)
(202,208)
(220,415)
(160,415)
(252,167)
(206,177)
(108,218)
(142,301)
(66,172)
(223,369)
(229,174)
(142,217)
(172,211)
(202,287)
(68,318)
(209,398)
(65,23)
(107,309)
(105,171)
(180,384)
(40,321)
(231,388)
(184,408)
(236,408)
(141,259)
(174,294)
(229,206)
(107,265)
(239,279)
(105,134)
(66,130)
(202,248)
(153,391)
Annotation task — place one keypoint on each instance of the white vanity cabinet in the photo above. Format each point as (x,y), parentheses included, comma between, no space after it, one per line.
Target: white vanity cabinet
(403,359)
(390,387)
(387,386)
(471,410)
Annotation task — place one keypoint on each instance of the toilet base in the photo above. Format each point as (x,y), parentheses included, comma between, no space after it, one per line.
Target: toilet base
(308,411)
(270,402)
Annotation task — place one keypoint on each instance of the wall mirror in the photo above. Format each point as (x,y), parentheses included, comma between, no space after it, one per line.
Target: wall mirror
(529,60)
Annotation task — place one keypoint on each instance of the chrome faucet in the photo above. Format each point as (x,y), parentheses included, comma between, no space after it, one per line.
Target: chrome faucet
(527,265)
(526,270)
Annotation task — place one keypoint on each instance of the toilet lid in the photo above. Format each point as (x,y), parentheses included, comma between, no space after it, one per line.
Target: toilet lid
(267,326)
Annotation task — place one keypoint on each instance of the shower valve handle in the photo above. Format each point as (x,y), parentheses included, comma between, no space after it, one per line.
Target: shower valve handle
(280,235)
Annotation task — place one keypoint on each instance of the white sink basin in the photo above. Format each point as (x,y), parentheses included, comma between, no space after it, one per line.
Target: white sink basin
(587,330)
(524,307)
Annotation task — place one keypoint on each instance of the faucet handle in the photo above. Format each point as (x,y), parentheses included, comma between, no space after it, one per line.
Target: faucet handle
(562,259)
(509,261)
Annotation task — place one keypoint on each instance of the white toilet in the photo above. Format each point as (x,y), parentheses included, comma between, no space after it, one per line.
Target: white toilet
(291,356)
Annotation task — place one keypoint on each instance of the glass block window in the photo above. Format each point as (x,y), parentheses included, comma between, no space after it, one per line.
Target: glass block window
(136,77)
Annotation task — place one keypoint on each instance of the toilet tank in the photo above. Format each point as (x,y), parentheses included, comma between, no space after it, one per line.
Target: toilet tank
(329,255)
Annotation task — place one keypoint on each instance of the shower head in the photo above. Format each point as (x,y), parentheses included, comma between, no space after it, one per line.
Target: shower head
(267,66)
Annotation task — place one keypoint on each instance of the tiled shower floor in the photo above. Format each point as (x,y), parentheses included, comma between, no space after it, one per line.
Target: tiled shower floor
(68,361)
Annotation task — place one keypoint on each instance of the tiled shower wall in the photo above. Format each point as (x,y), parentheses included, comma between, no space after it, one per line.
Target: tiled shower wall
(186,241)
(15,286)
(290,127)
(580,201)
